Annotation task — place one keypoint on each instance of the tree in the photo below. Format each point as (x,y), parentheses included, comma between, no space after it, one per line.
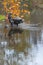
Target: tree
(16,7)
(1,7)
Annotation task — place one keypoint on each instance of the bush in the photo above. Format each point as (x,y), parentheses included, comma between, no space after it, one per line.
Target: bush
(2,17)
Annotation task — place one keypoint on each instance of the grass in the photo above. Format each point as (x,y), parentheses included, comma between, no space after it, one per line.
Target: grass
(2,17)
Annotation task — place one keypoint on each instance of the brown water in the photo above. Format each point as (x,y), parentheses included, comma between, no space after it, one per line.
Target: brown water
(21,46)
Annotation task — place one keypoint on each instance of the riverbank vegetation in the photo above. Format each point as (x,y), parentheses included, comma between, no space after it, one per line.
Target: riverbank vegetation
(19,8)
(2,17)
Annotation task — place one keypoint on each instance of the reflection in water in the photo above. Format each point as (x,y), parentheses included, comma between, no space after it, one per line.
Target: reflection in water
(3,44)
(9,56)
(22,47)
(14,34)
(35,36)
(13,31)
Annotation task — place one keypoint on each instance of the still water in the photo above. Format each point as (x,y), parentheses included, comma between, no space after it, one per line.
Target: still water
(21,46)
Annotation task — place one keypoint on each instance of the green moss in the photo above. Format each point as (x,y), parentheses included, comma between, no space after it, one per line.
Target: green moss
(2,17)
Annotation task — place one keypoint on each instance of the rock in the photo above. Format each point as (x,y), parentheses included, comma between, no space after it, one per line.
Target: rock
(36,16)
(40,6)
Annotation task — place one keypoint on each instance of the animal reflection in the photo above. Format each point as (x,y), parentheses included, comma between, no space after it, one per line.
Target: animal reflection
(14,31)
(14,35)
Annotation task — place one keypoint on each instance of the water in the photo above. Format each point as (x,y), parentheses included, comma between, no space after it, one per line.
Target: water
(21,46)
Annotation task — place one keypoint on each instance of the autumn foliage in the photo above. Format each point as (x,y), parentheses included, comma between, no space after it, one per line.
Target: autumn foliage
(15,7)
